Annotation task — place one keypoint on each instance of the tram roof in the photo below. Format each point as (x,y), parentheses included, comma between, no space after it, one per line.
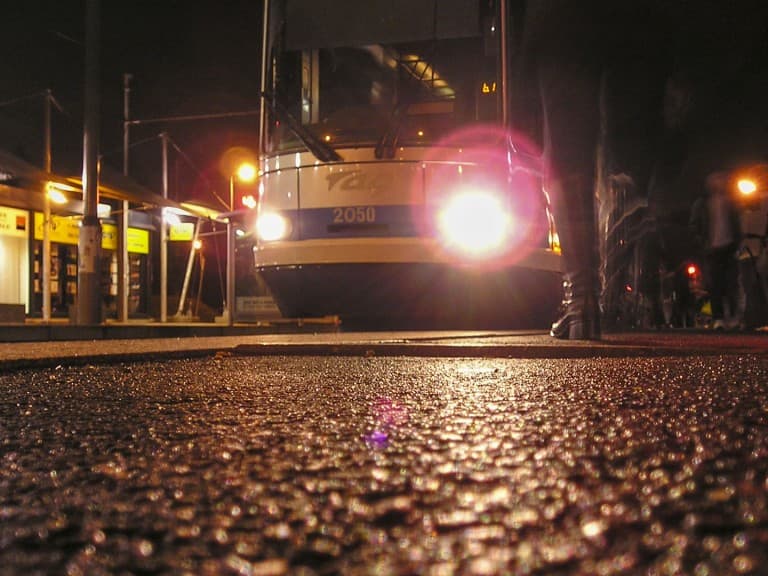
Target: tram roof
(327,24)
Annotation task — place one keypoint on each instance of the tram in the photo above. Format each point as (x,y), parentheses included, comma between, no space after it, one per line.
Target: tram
(392,192)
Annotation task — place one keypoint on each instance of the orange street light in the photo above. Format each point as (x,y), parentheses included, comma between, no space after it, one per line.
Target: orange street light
(246,172)
(746,187)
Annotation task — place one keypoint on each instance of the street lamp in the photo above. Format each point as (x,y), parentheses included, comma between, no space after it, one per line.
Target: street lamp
(246,172)
(747,187)
(55,194)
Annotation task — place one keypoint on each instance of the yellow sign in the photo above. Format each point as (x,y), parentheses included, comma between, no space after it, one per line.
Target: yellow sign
(183,231)
(109,236)
(14,222)
(66,230)
(138,241)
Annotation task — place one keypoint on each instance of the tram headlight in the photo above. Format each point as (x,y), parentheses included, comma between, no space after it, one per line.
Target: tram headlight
(473,223)
(271,226)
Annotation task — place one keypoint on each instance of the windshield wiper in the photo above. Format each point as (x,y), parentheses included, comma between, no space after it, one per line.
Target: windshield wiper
(385,147)
(317,147)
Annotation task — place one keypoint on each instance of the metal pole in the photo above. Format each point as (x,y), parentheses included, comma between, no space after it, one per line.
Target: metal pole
(89,244)
(123,268)
(126,120)
(263,83)
(46,263)
(47,151)
(505,116)
(200,282)
(164,237)
(231,255)
(232,193)
(188,275)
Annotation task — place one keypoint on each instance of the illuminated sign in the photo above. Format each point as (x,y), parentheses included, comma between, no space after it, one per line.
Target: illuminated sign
(181,231)
(109,236)
(488,87)
(14,222)
(66,230)
(138,241)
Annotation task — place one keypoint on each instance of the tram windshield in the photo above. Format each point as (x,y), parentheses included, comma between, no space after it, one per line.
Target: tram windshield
(380,73)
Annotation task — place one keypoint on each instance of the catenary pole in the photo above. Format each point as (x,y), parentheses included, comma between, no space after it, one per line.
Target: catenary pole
(164,237)
(46,262)
(123,267)
(229,308)
(89,244)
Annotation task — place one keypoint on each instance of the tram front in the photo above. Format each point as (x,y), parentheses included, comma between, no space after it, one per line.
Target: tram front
(391,192)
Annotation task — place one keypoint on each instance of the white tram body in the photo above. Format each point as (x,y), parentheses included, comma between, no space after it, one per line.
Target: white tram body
(402,202)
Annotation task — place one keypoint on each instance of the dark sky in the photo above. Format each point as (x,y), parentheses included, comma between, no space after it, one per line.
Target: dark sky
(186,58)
(202,56)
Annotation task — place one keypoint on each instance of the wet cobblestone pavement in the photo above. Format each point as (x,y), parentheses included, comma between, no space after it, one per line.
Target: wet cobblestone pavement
(292,465)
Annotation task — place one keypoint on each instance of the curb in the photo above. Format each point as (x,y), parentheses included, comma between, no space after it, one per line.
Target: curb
(405,348)
(362,350)
(523,352)
(54,362)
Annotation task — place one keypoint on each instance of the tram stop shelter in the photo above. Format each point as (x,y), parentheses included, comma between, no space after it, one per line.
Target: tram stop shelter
(40,215)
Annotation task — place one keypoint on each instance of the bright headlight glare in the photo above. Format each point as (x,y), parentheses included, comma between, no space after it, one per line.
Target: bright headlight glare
(271,226)
(475,223)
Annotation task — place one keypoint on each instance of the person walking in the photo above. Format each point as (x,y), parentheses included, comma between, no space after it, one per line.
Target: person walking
(716,227)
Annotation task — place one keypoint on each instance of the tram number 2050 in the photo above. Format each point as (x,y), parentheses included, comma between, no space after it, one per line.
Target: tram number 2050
(354,215)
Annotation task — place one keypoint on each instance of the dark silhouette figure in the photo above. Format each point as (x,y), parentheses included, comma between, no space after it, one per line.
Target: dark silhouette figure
(579,53)
(561,52)
(716,226)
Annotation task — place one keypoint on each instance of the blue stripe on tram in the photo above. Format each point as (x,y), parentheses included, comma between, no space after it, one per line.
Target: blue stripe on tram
(359,221)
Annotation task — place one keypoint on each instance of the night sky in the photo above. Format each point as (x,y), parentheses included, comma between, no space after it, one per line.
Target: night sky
(203,57)
(186,58)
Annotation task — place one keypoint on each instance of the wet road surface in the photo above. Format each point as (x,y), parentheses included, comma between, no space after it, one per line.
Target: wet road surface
(370,465)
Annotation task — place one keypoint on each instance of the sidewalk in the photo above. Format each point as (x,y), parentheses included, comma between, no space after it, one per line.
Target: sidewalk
(35,330)
(143,342)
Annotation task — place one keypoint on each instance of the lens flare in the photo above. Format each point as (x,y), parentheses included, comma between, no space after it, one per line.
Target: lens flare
(475,223)
(388,415)
(480,195)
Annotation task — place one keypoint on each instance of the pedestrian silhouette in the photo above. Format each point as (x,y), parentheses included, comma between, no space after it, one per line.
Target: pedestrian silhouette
(715,225)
